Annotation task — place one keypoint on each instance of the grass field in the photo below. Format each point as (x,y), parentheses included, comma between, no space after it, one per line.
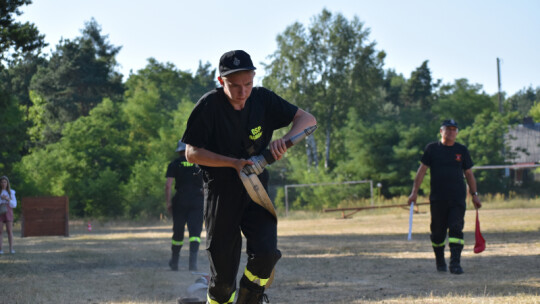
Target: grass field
(366,259)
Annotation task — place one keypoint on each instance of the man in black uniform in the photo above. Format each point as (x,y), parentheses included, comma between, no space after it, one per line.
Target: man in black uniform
(448,161)
(228,126)
(186,206)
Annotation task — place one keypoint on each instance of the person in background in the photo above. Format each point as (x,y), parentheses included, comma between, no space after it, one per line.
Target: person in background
(7,198)
(186,206)
(448,162)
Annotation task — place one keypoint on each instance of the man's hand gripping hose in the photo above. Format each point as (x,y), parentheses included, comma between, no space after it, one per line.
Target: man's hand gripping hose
(266,158)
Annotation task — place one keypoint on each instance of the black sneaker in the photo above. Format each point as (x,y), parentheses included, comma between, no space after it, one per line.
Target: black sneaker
(264,299)
(456,269)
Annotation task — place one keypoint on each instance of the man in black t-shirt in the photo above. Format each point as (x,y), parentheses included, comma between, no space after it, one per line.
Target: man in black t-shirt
(186,206)
(227,126)
(448,161)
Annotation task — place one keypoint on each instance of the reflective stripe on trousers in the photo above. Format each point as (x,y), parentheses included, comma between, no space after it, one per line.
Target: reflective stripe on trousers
(177,243)
(456,241)
(438,245)
(216,302)
(255,279)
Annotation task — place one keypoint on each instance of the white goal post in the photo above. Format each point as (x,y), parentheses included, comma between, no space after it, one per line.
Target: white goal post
(325,184)
(507,168)
(516,166)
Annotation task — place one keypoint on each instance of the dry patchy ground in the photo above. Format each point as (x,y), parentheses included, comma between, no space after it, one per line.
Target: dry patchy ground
(366,259)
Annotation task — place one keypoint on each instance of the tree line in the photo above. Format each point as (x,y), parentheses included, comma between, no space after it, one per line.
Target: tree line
(70,124)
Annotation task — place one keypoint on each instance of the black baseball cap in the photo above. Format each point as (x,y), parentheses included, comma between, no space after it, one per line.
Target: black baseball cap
(449,123)
(234,61)
(180,146)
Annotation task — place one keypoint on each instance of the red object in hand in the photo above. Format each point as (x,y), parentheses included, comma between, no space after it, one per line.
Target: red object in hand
(480,244)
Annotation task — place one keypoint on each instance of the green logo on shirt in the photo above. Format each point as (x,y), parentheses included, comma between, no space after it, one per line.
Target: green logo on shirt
(255,133)
(187,164)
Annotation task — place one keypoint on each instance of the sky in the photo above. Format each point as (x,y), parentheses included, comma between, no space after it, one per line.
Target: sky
(459,38)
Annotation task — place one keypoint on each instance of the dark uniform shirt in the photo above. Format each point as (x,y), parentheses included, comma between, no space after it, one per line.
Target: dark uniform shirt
(216,126)
(447,165)
(185,175)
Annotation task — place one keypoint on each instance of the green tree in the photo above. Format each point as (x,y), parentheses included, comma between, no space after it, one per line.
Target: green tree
(327,69)
(153,96)
(524,100)
(50,178)
(18,76)
(534,112)
(415,102)
(159,99)
(11,122)
(385,152)
(89,163)
(393,85)
(463,102)
(169,83)
(17,38)
(78,76)
(101,154)
(148,170)
(204,80)
(112,162)
(418,91)
(485,141)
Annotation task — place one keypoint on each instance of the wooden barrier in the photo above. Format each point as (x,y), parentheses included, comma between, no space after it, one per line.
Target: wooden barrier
(357,209)
(45,216)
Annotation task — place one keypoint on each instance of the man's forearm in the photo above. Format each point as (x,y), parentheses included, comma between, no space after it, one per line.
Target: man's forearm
(167,194)
(301,121)
(168,187)
(418,179)
(416,186)
(471,181)
(204,157)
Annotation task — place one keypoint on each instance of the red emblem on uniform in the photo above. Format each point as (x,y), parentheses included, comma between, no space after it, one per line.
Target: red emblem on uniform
(458,157)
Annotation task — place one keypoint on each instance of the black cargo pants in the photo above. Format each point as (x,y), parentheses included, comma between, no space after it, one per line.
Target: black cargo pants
(229,212)
(187,207)
(447,216)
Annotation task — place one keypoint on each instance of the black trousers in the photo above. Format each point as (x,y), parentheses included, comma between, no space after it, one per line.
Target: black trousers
(229,212)
(447,216)
(187,207)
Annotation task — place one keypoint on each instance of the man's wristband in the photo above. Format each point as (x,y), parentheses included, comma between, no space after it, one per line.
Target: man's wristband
(474,193)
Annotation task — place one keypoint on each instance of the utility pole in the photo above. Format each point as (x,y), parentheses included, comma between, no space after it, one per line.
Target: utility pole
(506,170)
(499,84)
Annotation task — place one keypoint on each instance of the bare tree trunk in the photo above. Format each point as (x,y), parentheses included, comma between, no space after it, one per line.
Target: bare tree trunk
(328,138)
(311,151)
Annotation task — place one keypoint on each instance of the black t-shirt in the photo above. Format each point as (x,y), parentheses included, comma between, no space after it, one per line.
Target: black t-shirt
(186,175)
(216,126)
(447,164)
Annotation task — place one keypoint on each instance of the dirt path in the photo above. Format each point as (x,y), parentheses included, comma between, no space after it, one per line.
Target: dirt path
(366,259)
